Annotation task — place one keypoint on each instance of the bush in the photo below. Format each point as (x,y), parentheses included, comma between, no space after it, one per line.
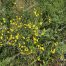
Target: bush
(37,33)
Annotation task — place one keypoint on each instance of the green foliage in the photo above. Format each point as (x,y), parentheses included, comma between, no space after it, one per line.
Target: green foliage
(6,61)
(37,33)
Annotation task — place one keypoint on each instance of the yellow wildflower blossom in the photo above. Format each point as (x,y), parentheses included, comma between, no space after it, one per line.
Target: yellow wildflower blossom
(43,32)
(36,32)
(26,49)
(19,45)
(36,14)
(56,43)
(11,21)
(11,37)
(38,58)
(23,37)
(33,26)
(19,18)
(40,23)
(9,43)
(2,34)
(35,40)
(11,29)
(7,31)
(29,25)
(36,28)
(42,48)
(53,51)
(22,46)
(4,20)
(17,36)
(1,37)
(1,44)
(15,3)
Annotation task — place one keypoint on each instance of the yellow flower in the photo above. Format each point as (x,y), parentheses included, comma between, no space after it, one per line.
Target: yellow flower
(16,24)
(38,58)
(11,21)
(29,25)
(1,37)
(33,26)
(17,36)
(40,23)
(11,30)
(38,46)
(56,43)
(36,33)
(36,28)
(26,49)
(23,37)
(25,24)
(36,14)
(35,40)
(22,46)
(53,51)
(42,48)
(1,44)
(15,40)
(16,16)
(6,37)
(4,20)
(19,45)
(11,37)
(19,26)
(19,18)
(7,31)
(43,32)
(15,3)
(2,34)
(9,43)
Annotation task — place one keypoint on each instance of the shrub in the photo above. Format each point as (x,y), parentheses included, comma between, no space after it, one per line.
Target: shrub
(39,31)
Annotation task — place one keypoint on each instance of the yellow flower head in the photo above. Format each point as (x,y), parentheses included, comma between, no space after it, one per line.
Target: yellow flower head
(29,25)
(38,58)
(1,44)
(19,45)
(4,20)
(17,36)
(36,13)
(11,21)
(1,37)
(11,29)
(53,51)
(26,49)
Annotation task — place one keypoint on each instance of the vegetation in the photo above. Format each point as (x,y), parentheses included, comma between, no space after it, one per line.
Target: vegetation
(32,34)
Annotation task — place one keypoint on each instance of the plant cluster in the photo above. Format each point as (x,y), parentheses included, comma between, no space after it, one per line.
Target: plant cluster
(35,36)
